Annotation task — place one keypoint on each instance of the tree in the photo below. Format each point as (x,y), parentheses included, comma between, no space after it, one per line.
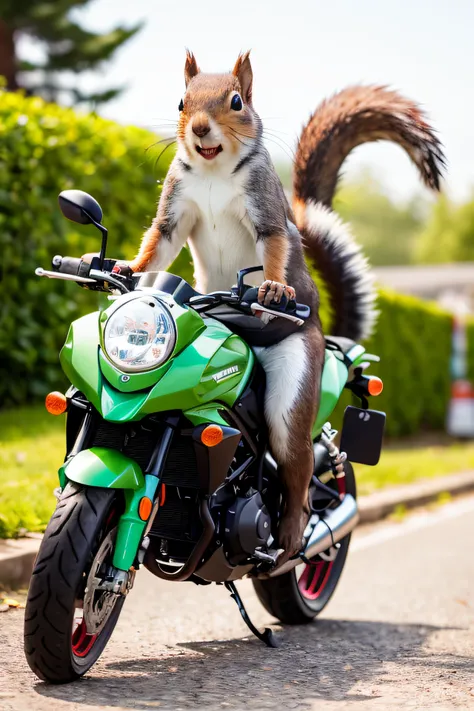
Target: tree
(67,46)
(449,233)
(387,231)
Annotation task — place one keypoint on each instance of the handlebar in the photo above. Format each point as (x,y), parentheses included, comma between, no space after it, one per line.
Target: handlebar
(87,274)
(92,276)
(70,265)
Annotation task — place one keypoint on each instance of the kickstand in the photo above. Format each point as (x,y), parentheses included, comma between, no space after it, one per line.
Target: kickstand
(267,635)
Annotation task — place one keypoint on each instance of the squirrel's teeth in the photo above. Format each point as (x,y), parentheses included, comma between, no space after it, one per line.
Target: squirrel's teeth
(209,152)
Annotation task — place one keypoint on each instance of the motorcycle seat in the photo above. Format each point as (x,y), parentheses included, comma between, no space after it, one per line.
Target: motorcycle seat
(254,331)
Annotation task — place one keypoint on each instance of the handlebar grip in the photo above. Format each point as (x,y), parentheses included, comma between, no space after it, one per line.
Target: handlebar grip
(71,265)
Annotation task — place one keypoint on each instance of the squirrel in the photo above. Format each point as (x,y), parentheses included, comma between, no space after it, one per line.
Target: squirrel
(223,197)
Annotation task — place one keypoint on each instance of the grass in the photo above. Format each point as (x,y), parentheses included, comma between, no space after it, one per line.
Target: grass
(32,449)
(405,465)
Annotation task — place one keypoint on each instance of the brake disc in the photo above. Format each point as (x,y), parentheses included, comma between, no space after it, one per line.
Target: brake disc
(99,603)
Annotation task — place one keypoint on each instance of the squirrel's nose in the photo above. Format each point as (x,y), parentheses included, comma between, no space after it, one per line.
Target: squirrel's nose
(201,128)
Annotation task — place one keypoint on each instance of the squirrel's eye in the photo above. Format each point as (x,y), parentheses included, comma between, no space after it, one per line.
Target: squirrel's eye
(181,105)
(236,103)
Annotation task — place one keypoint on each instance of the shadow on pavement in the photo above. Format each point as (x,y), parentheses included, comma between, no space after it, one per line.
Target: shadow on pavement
(322,661)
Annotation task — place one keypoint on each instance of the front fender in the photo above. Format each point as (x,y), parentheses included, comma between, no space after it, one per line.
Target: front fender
(109,469)
(103,467)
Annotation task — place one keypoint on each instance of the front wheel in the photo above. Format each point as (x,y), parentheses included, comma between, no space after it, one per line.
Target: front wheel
(68,618)
(298,596)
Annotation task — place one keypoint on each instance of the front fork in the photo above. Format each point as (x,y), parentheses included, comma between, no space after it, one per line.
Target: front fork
(107,468)
(110,469)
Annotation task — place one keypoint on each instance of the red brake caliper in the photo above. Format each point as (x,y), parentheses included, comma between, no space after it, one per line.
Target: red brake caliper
(82,642)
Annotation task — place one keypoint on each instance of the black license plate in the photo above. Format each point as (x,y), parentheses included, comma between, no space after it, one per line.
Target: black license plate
(362,434)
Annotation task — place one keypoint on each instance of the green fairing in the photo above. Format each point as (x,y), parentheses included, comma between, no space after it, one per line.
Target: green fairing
(79,358)
(183,382)
(209,414)
(190,380)
(109,469)
(333,381)
(186,381)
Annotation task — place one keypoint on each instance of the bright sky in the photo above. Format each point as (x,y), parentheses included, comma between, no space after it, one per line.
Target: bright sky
(302,51)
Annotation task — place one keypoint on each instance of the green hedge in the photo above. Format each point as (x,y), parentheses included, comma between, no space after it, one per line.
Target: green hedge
(470,348)
(413,340)
(44,149)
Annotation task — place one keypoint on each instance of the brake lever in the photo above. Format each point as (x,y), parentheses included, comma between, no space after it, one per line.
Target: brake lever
(39,271)
(201,300)
(214,299)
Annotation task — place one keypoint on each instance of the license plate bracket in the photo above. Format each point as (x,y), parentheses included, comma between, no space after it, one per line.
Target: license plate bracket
(362,435)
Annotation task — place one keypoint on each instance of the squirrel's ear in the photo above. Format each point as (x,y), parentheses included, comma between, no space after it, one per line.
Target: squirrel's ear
(190,68)
(243,72)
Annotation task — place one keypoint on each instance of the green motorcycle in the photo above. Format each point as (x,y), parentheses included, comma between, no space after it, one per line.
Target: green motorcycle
(167,462)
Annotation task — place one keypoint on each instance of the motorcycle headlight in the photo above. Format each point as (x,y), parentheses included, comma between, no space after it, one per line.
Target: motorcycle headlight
(139,335)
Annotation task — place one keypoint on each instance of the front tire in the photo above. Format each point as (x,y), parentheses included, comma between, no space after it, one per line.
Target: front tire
(297,599)
(57,649)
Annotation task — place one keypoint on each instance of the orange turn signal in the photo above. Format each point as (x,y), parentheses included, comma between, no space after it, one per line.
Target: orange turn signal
(162,494)
(144,508)
(56,403)
(212,435)
(375,385)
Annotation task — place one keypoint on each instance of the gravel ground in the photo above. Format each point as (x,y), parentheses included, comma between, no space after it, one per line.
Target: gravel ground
(399,633)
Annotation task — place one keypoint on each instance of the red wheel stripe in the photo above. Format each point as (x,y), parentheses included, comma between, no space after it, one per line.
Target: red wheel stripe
(311,589)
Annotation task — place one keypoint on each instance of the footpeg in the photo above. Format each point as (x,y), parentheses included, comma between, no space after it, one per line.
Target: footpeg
(267,636)
(270,557)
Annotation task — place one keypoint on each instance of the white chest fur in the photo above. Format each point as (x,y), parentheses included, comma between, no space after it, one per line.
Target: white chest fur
(223,239)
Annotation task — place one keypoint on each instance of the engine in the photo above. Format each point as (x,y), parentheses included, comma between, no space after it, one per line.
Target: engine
(247,527)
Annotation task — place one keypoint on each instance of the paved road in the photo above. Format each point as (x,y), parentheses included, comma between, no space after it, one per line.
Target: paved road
(399,633)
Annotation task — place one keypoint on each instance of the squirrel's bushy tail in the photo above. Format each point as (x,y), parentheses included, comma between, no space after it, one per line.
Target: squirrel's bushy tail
(354,116)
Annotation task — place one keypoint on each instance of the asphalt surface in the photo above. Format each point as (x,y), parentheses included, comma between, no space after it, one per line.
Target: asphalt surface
(399,633)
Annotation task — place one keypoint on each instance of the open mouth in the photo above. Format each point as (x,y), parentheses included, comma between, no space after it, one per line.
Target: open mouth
(209,153)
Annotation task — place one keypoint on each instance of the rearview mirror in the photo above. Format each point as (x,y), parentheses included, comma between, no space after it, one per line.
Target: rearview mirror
(80,207)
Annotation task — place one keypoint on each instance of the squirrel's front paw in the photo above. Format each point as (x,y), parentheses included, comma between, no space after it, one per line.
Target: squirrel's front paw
(273,291)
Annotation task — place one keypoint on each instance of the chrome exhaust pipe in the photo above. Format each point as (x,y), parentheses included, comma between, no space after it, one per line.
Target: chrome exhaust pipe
(322,533)
(335,526)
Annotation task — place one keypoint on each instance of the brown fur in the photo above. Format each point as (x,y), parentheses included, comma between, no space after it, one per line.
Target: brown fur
(150,242)
(200,124)
(209,96)
(190,67)
(243,71)
(354,116)
(276,257)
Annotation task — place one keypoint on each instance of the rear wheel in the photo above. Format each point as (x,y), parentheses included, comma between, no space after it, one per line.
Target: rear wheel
(68,619)
(298,596)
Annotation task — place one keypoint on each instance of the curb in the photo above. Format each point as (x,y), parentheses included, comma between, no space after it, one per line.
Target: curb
(377,506)
(17,557)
